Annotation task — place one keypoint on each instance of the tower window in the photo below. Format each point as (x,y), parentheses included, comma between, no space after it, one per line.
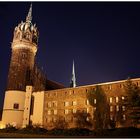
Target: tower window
(16,106)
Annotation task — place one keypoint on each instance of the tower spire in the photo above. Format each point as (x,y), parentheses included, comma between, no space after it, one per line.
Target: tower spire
(29,16)
(73,79)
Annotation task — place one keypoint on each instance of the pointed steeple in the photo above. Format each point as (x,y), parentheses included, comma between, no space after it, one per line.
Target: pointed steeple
(29,16)
(73,79)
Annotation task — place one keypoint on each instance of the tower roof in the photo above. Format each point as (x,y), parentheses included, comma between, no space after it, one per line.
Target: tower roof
(29,16)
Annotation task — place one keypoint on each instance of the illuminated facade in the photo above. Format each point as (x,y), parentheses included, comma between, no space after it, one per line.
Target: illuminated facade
(31,98)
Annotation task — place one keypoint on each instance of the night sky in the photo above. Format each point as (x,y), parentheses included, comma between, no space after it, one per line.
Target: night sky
(102,38)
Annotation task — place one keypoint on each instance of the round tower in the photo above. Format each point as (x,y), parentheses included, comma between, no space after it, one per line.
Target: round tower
(24,48)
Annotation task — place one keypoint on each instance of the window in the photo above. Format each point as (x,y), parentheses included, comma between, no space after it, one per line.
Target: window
(117,99)
(55,112)
(70,92)
(94,101)
(109,87)
(110,99)
(66,111)
(111,117)
(124,117)
(117,108)
(111,108)
(87,102)
(74,110)
(87,110)
(16,106)
(54,103)
(122,97)
(54,119)
(74,103)
(49,104)
(66,103)
(123,108)
(49,112)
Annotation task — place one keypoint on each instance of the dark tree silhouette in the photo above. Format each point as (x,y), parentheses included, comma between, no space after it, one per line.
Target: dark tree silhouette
(102,112)
(132,101)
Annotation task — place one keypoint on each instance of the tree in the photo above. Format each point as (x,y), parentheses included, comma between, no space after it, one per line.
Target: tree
(132,92)
(101,113)
(60,123)
(83,119)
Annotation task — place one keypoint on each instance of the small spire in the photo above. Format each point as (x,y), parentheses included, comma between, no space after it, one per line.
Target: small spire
(29,16)
(73,79)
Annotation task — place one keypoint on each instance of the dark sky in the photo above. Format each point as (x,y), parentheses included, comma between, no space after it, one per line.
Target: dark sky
(102,38)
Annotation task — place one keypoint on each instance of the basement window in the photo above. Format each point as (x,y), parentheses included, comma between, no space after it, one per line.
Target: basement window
(16,106)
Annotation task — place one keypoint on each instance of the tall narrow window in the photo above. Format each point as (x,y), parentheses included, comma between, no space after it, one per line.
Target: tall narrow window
(94,101)
(123,108)
(111,108)
(66,111)
(110,99)
(74,103)
(66,103)
(117,108)
(117,99)
(124,117)
(87,102)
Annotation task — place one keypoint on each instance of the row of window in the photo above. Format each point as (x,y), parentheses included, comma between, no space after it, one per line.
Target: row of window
(72,103)
(66,111)
(122,108)
(116,99)
(123,117)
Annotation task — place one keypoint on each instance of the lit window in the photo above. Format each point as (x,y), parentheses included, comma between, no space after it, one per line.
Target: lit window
(117,99)
(16,106)
(66,103)
(55,103)
(55,112)
(49,112)
(70,92)
(74,103)
(74,110)
(111,117)
(87,102)
(123,108)
(117,108)
(110,87)
(124,117)
(94,101)
(122,97)
(87,110)
(54,119)
(110,99)
(111,108)
(66,111)
(49,104)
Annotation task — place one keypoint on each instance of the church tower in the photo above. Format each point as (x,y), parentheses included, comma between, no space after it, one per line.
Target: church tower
(24,48)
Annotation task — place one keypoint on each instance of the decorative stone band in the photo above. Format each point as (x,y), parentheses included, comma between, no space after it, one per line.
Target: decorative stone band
(23,44)
(12,110)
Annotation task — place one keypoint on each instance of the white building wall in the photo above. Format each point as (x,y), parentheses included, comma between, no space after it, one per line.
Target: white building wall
(11,115)
(37,117)
(27,106)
